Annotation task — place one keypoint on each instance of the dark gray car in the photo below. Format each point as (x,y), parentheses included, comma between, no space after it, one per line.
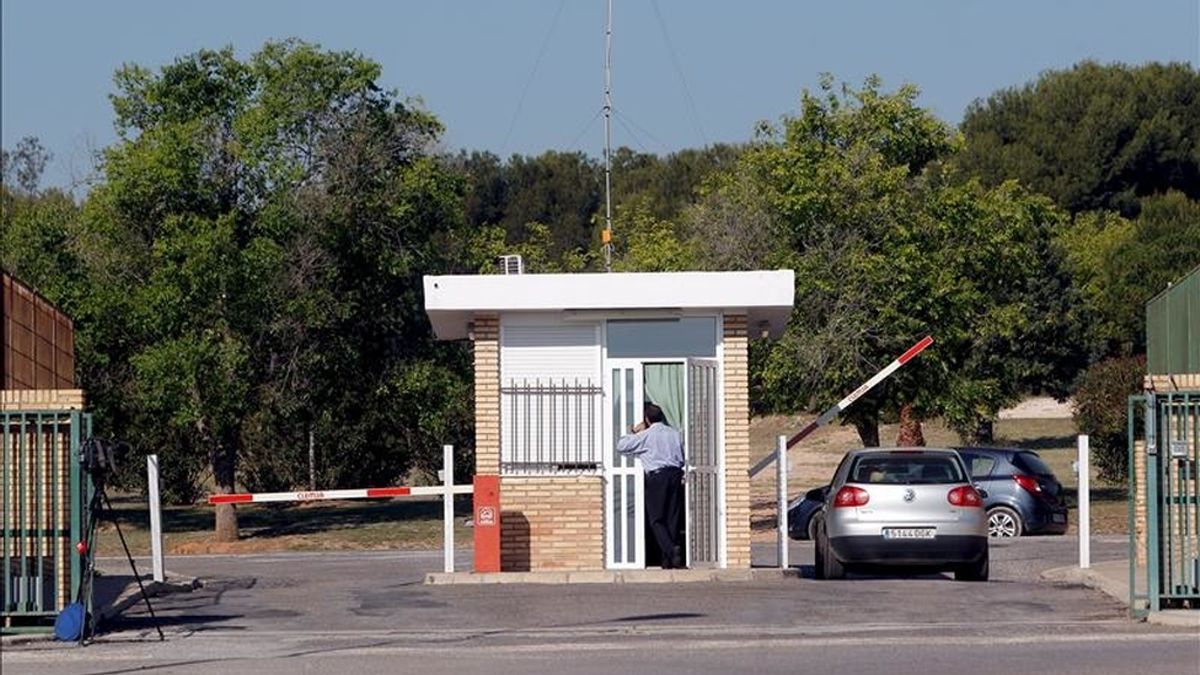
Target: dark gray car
(1023,495)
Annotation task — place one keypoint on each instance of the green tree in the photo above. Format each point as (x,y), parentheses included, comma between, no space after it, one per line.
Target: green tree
(646,243)
(535,246)
(1091,137)
(259,238)
(665,186)
(564,194)
(22,167)
(1101,411)
(885,251)
(1120,264)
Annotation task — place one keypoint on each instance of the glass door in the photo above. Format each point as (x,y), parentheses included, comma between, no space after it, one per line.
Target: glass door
(623,497)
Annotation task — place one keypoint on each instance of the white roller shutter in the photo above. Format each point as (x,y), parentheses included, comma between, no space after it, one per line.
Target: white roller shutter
(559,352)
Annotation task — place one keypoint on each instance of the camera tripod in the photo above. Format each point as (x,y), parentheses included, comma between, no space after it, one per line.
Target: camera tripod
(100,508)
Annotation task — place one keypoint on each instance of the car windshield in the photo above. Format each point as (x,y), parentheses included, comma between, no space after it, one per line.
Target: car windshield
(901,469)
(1033,464)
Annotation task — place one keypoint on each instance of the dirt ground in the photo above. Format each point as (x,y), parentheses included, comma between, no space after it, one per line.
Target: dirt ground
(812,462)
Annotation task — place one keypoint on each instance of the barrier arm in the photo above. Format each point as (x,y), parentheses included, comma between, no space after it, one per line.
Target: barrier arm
(846,402)
(446,491)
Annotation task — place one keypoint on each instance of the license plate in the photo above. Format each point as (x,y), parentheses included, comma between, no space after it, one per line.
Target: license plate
(1060,517)
(908,533)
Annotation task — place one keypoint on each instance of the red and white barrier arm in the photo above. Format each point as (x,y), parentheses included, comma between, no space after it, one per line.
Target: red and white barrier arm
(322,495)
(846,402)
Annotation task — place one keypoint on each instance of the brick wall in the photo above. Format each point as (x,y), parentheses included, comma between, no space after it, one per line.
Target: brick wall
(1140,531)
(41,399)
(1168,383)
(551,523)
(487,394)
(737,443)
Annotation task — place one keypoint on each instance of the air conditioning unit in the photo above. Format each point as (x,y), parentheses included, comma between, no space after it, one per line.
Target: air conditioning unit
(512,264)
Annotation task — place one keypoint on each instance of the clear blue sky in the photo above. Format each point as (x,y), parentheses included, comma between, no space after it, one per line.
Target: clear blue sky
(470,60)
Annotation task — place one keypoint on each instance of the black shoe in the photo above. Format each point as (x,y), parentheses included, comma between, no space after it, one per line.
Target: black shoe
(678,560)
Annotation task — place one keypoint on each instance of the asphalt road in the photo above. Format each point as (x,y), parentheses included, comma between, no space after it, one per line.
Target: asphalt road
(370,612)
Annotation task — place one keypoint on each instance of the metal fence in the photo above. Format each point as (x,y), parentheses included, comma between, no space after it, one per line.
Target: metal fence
(1173,328)
(1164,513)
(42,511)
(550,427)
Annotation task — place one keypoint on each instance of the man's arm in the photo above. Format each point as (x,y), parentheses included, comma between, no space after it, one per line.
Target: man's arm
(632,443)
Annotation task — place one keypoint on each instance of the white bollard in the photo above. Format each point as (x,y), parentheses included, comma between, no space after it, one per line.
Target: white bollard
(156,543)
(781,485)
(1085,505)
(448,508)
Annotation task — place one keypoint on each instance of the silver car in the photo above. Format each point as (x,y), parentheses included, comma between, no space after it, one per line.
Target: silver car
(910,507)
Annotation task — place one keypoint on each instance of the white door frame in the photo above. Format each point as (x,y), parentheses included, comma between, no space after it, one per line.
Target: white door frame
(608,443)
(616,475)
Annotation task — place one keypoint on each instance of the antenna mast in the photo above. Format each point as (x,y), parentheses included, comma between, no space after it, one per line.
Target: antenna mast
(606,236)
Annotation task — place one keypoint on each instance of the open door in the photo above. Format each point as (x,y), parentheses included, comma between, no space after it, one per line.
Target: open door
(624,492)
(703,477)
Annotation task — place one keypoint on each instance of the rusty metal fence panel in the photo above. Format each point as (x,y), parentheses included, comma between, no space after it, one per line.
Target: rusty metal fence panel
(38,340)
(42,509)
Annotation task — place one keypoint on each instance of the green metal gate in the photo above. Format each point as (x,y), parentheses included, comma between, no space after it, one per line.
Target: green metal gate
(42,512)
(1164,517)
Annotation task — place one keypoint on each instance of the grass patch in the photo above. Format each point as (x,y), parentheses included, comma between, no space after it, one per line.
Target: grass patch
(347,525)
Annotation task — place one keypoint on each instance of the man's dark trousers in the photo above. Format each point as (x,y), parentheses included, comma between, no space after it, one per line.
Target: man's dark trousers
(664,510)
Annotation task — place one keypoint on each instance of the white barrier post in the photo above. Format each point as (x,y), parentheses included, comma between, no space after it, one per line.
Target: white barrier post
(448,508)
(781,479)
(156,547)
(1085,505)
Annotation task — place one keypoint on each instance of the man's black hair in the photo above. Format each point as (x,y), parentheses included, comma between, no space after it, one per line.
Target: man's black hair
(653,413)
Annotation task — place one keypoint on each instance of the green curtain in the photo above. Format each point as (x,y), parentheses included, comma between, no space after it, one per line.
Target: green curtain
(663,386)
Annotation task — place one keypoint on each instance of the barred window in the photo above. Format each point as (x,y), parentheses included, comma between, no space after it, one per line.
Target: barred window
(550,426)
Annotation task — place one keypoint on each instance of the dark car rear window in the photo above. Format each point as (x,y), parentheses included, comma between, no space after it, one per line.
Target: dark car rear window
(1031,463)
(897,469)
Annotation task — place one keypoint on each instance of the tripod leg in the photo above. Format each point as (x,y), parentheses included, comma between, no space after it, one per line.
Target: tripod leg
(89,575)
(129,556)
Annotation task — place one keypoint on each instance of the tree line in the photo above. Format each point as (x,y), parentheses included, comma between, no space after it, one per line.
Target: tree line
(245,272)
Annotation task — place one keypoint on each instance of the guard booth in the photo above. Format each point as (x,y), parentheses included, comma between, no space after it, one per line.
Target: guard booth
(563,364)
(1164,456)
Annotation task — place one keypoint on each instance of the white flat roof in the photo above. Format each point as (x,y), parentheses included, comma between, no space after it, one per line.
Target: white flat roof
(765,296)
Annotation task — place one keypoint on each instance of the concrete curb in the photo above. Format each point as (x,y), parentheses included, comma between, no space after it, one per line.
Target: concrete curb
(17,639)
(1114,588)
(128,597)
(1187,618)
(611,577)
(1117,587)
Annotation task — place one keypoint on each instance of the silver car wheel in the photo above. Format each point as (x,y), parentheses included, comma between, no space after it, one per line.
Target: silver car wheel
(1001,524)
